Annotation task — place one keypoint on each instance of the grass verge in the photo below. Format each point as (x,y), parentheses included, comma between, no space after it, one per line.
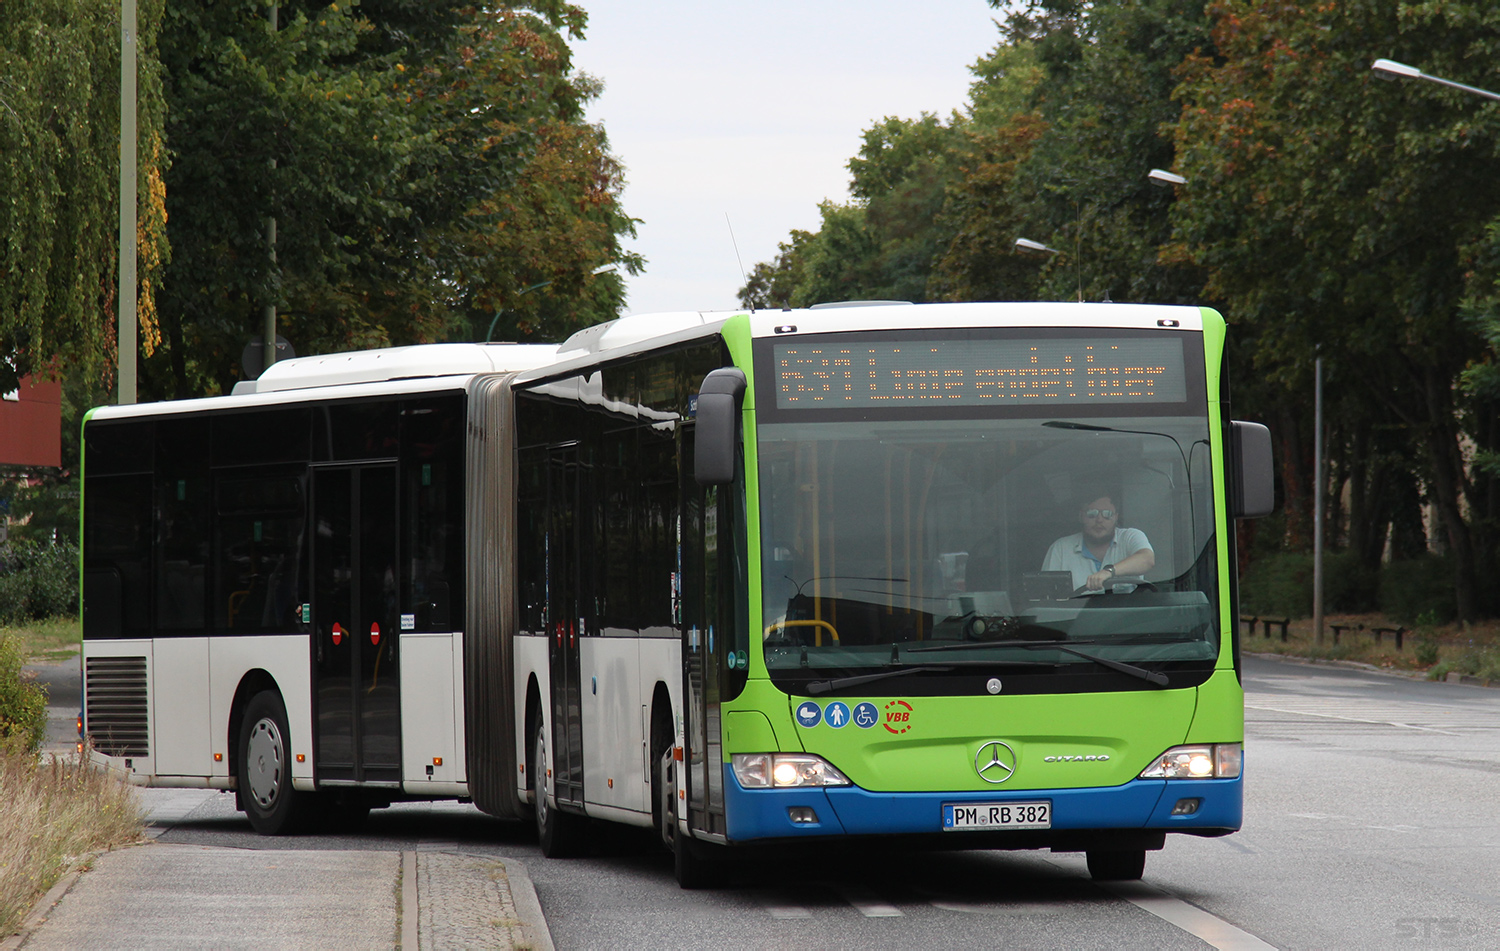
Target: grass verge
(1432,650)
(48,641)
(52,814)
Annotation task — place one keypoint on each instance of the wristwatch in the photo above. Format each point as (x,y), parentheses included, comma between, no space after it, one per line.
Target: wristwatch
(1110,569)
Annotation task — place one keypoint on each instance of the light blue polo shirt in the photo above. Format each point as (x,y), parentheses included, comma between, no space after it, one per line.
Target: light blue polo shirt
(1069,554)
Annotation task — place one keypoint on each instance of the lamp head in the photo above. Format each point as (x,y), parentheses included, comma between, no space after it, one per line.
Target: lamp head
(1390,69)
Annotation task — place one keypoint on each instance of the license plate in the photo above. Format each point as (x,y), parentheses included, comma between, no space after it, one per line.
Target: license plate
(978,816)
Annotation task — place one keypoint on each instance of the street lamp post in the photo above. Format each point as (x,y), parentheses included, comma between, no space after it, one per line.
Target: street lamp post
(1026,244)
(1390,69)
(125,331)
(527,290)
(1318,500)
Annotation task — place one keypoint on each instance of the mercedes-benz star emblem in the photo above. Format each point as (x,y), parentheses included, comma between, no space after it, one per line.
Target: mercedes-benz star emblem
(995,762)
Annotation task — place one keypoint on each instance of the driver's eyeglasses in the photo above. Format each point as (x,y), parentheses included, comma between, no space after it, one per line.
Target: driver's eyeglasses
(1099,513)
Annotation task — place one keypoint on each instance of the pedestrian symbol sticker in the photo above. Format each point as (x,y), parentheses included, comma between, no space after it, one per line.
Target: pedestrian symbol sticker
(836,714)
(809,714)
(866,716)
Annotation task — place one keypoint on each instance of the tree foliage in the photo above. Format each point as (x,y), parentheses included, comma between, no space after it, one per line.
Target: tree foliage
(59,186)
(1326,214)
(423,163)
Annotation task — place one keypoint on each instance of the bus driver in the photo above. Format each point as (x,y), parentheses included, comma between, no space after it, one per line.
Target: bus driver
(1101,550)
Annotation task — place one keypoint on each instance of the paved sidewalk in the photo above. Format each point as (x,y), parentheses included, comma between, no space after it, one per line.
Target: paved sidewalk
(174,896)
(168,896)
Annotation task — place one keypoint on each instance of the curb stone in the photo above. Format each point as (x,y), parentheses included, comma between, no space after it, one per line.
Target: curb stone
(37,916)
(534,930)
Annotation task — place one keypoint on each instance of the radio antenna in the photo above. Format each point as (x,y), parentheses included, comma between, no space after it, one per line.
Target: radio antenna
(737,258)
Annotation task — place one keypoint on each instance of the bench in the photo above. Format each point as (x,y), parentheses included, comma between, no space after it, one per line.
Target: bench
(1283,622)
(1341,628)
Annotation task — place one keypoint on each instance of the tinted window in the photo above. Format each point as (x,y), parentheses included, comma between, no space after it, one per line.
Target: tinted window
(353,431)
(260,436)
(117,448)
(261,518)
(184,525)
(432,479)
(116,572)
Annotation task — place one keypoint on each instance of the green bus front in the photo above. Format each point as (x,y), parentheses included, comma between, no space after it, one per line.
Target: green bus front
(912,669)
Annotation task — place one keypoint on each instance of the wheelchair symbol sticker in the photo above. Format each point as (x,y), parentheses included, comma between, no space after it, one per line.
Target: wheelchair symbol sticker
(866,716)
(808,714)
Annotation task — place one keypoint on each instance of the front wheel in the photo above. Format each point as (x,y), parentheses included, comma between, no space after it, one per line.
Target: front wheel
(265,772)
(1116,865)
(694,863)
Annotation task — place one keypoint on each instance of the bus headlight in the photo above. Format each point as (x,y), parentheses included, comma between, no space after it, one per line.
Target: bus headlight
(785,771)
(1208,761)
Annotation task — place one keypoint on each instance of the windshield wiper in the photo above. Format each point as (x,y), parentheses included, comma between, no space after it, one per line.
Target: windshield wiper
(1155,677)
(819,687)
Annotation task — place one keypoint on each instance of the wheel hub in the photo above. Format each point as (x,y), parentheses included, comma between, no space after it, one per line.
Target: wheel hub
(265,754)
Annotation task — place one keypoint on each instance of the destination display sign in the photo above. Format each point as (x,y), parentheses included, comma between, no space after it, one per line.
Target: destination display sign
(962,373)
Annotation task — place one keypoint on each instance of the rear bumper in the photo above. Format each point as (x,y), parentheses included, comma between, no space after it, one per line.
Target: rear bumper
(1142,804)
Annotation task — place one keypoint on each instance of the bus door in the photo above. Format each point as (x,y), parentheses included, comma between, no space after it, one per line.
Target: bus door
(705,622)
(356,677)
(566,511)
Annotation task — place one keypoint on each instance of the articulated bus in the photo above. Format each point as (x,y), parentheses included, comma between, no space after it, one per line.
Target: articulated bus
(752,580)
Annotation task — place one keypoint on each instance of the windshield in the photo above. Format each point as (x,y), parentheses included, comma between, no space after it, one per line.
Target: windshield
(986,549)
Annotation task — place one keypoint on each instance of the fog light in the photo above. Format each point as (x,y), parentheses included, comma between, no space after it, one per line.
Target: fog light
(1186,807)
(802,815)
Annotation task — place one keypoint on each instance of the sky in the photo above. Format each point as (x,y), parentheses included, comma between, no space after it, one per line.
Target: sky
(743,115)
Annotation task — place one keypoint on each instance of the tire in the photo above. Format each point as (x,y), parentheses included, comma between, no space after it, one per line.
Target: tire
(693,863)
(560,834)
(265,773)
(1116,865)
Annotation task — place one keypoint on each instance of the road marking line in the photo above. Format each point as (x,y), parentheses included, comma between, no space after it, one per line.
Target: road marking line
(1335,716)
(783,911)
(869,904)
(1190,918)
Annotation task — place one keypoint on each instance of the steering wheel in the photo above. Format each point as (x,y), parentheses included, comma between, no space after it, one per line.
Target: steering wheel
(1136,582)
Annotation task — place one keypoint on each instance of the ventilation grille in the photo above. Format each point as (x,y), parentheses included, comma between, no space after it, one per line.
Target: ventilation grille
(115,691)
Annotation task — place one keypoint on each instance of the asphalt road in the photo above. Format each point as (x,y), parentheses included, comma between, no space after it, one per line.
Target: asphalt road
(1370,822)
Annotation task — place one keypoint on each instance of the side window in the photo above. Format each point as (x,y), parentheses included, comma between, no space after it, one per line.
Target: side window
(184,525)
(117,538)
(432,509)
(531,539)
(117,529)
(351,431)
(261,515)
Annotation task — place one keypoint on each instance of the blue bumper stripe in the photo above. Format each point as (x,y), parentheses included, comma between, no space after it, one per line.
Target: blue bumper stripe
(849,810)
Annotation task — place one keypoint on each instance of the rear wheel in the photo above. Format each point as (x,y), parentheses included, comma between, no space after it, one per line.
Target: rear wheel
(265,772)
(561,834)
(1116,865)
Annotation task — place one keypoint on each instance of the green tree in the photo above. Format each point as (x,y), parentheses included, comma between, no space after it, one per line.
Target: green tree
(1330,214)
(390,141)
(59,186)
(773,283)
